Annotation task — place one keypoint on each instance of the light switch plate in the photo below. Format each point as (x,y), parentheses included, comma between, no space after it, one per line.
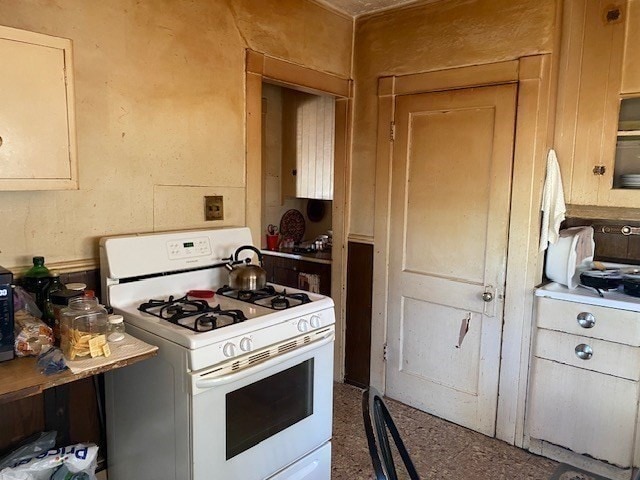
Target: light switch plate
(213,208)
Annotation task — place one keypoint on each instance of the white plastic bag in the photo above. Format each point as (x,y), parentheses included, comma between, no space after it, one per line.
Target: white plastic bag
(75,462)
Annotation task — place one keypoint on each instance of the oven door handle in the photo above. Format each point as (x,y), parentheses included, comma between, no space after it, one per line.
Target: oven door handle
(223,380)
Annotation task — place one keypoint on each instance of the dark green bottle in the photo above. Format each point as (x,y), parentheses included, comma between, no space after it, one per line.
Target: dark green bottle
(48,314)
(36,280)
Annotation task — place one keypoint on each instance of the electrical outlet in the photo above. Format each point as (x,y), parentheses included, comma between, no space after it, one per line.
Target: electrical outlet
(213,208)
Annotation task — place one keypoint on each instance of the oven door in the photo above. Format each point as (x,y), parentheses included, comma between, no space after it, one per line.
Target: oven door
(252,423)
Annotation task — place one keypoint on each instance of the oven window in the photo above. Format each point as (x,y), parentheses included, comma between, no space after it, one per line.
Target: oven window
(268,406)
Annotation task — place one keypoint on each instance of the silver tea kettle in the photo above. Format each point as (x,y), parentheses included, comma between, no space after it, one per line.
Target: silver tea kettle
(246,277)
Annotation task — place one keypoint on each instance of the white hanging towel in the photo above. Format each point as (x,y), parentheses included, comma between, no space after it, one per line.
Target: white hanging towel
(553,206)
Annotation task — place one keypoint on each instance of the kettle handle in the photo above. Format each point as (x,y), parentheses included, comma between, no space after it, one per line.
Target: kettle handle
(249,247)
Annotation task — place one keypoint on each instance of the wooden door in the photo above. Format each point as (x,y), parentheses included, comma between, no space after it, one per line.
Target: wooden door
(449,215)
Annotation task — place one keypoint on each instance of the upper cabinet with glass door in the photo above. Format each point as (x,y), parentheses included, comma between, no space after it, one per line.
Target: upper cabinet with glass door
(596,137)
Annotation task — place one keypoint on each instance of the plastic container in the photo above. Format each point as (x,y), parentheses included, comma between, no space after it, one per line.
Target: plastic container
(36,280)
(83,328)
(115,331)
(570,255)
(76,286)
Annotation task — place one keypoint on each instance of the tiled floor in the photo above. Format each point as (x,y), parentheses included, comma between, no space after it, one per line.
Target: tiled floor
(439,449)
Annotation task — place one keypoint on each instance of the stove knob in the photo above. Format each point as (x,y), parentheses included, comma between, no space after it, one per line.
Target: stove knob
(303,325)
(229,349)
(315,321)
(245,344)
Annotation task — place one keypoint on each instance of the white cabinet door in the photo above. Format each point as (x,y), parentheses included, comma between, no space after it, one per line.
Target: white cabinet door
(37,146)
(308,143)
(588,412)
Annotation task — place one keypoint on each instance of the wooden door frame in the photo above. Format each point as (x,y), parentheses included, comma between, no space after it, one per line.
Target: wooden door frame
(524,263)
(258,69)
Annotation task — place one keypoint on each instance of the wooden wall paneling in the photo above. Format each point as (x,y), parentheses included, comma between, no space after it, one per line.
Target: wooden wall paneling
(611,244)
(56,413)
(84,412)
(20,419)
(358,314)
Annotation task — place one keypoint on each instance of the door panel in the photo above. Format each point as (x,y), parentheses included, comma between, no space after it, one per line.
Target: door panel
(450,193)
(436,361)
(448,188)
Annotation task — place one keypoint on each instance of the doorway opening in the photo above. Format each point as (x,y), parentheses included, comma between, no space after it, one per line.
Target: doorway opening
(296,177)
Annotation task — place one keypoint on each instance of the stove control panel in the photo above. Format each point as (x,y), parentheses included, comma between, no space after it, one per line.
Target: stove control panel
(248,343)
(188,248)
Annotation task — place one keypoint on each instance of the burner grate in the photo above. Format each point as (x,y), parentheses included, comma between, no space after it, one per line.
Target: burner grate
(174,310)
(266,297)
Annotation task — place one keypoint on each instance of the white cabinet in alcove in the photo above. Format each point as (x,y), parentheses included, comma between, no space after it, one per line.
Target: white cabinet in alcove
(37,119)
(308,141)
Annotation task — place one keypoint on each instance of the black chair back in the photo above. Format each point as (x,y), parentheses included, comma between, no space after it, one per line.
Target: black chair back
(377,424)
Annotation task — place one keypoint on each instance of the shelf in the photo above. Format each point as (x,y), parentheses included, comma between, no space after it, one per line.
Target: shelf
(20,377)
(628,133)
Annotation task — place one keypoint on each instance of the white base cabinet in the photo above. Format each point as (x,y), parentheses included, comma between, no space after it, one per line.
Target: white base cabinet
(587,412)
(584,383)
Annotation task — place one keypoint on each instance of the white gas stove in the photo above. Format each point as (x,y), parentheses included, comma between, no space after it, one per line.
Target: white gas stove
(241,378)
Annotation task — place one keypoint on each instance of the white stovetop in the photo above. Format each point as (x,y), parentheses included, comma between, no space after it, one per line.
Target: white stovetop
(612,298)
(126,297)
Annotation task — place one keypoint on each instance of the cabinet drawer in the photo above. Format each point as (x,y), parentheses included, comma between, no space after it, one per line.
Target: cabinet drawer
(611,324)
(610,358)
(587,412)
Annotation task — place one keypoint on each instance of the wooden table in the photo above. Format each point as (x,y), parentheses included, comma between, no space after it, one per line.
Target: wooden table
(19,377)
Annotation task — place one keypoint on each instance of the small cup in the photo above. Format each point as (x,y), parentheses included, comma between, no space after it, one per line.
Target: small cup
(272,242)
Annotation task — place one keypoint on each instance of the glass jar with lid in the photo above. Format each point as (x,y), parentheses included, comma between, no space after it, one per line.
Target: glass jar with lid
(115,330)
(83,328)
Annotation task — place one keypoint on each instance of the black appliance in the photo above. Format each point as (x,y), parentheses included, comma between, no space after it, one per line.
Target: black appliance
(6,315)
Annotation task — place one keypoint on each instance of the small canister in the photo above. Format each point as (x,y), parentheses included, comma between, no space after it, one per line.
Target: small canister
(84,327)
(116,328)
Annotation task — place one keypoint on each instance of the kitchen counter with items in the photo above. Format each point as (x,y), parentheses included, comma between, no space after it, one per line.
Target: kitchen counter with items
(584,379)
(21,378)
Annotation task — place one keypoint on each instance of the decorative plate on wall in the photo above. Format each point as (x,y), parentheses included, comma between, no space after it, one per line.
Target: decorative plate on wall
(292,225)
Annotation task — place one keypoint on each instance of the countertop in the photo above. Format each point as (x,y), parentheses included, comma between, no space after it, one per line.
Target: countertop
(612,298)
(20,377)
(316,257)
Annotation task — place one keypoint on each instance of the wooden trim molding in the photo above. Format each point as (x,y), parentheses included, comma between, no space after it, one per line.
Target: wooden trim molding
(286,73)
(452,78)
(262,68)
(524,262)
(357,238)
(70,266)
(603,213)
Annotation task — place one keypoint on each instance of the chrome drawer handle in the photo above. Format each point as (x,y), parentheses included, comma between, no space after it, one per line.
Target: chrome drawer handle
(586,320)
(584,351)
